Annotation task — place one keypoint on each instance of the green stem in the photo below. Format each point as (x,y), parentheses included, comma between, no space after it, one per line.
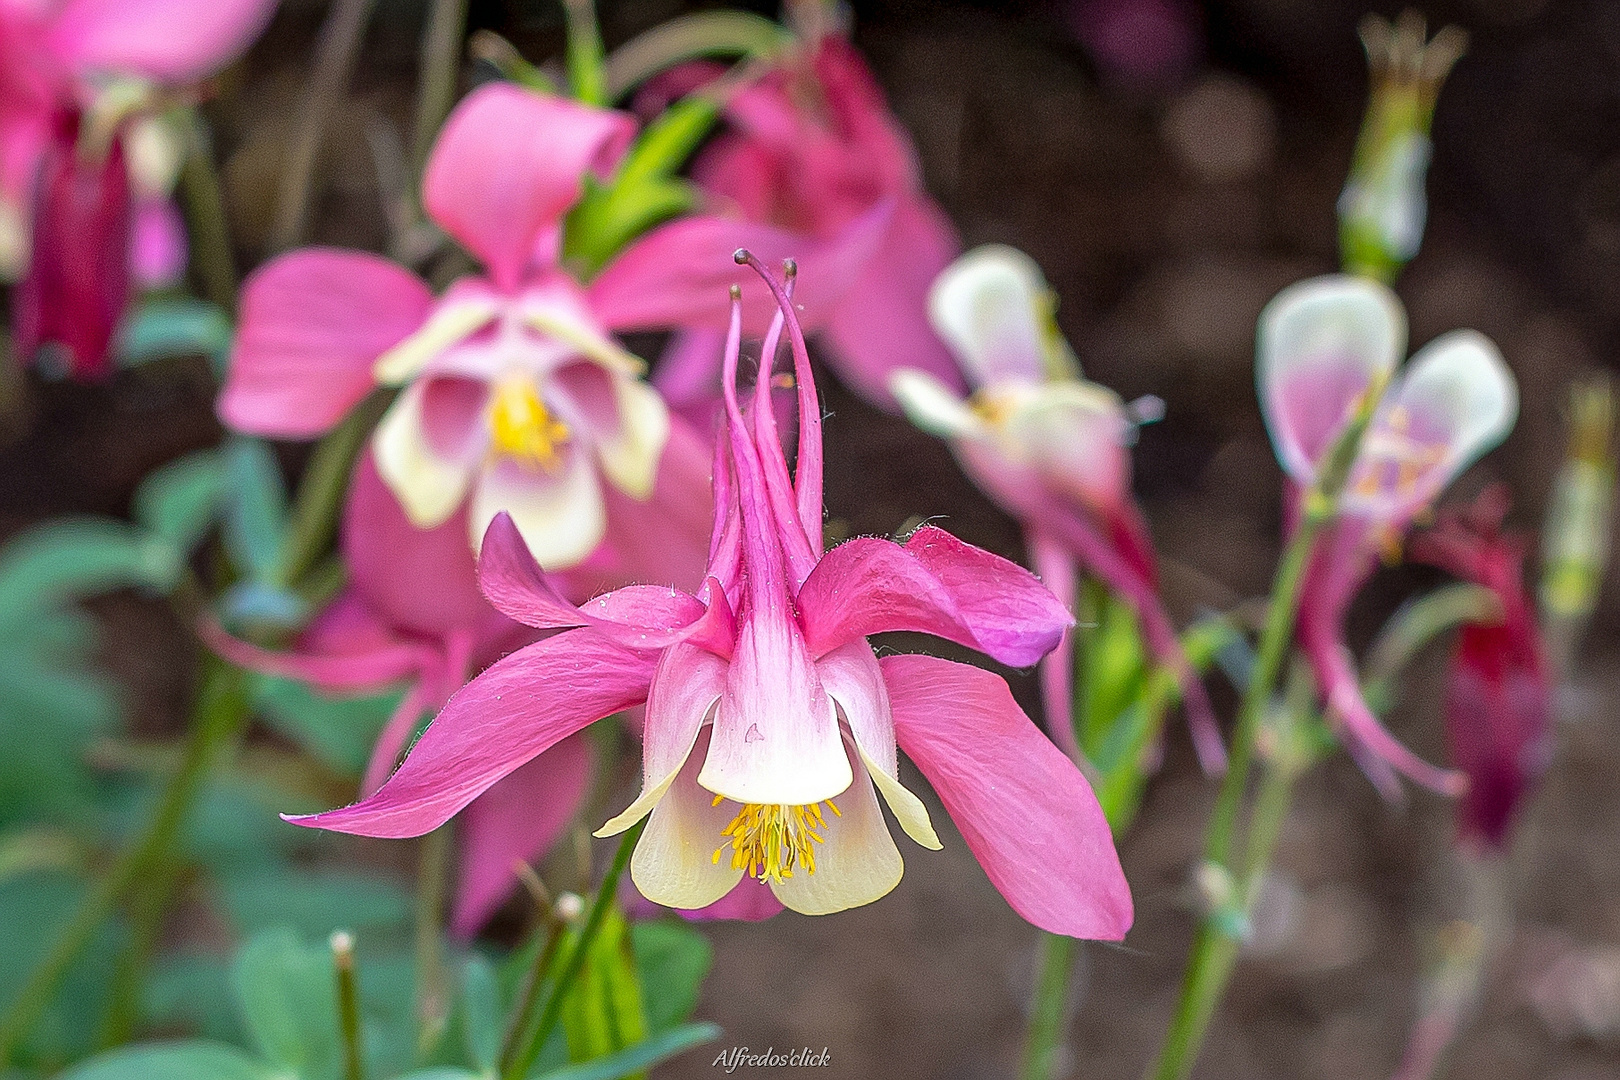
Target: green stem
(348,1002)
(312,522)
(587,76)
(146,915)
(440,65)
(537,1029)
(432,985)
(205,216)
(528,1001)
(1050,1009)
(220,714)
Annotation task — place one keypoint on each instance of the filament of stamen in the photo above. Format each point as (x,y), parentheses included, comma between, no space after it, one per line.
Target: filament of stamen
(770,840)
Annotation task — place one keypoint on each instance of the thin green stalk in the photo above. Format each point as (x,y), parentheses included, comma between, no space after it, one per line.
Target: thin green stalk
(537,1029)
(348,1002)
(587,73)
(1050,1009)
(534,982)
(312,522)
(146,917)
(432,984)
(439,69)
(220,714)
(205,216)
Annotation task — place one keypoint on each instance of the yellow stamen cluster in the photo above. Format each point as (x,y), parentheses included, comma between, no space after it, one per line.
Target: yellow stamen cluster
(769,839)
(1398,458)
(521,427)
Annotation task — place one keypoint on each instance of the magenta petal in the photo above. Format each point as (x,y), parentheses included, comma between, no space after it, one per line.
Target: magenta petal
(420,579)
(520,707)
(1028,815)
(509,163)
(750,901)
(934,584)
(366,670)
(664,540)
(640,616)
(516,821)
(681,274)
(1056,567)
(881,324)
(168,41)
(313,323)
(157,255)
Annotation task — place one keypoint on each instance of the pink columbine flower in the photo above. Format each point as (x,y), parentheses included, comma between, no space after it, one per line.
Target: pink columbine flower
(413,615)
(812,148)
(1052,449)
(1323,345)
(75,76)
(771,725)
(1498,704)
(514,396)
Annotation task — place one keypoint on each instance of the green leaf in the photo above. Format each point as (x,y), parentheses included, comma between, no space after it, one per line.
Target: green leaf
(340,731)
(673,959)
(181,501)
(65,560)
(191,1060)
(287,994)
(172,327)
(256,519)
(192,992)
(602,1013)
(643,1055)
(481,1018)
(313,904)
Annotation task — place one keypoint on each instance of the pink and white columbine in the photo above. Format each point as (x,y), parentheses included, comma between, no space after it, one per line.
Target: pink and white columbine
(1323,346)
(771,726)
(514,396)
(1052,449)
(82,201)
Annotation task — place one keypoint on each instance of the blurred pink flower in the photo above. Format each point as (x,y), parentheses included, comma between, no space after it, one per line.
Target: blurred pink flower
(1498,703)
(1051,448)
(1323,345)
(1139,44)
(813,148)
(72,72)
(765,702)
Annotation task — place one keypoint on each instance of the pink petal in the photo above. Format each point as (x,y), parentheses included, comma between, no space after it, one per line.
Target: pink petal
(638,616)
(516,821)
(157,255)
(881,324)
(688,374)
(1056,568)
(509,163)
(168,41)
(1024,809)
(934,584)
(664,540)
(312,324)
(751,901)
(367,670)
(680,274)
(518,708)
(421,579)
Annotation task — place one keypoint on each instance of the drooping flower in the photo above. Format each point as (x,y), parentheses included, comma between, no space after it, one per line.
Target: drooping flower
(1498,705)
(514,396)
(75,78)
(771,725)
(412,614)
(1323,346)
(1052,449)
(813,149)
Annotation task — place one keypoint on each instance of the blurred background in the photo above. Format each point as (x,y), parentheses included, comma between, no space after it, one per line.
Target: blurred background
(1170,165)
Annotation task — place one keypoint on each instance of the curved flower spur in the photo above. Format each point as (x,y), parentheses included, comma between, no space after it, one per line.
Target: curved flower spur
(771,726)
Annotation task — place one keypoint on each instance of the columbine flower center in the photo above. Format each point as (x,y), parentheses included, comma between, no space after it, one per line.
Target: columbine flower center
(521,427)
(769,839)
(1397,458)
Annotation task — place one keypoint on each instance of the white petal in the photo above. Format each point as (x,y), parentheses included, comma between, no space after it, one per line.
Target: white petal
(932,406)
(685,687)
(851,675)
(1321,343)
(560,515)
(450,322)
(674,863)
(993,308)
(630,458)
(428,486)
(856,863)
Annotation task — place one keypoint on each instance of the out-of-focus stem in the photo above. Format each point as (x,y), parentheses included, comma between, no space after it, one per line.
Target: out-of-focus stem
(151,903)
(436,81)
(432,985)
(220,714)
(1050,1009)
(335,52)
(312,521)
(205,215)
(348,1003)
(587,77)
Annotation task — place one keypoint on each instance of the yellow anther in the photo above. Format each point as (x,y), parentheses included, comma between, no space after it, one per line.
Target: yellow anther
(521,427)
(770,840)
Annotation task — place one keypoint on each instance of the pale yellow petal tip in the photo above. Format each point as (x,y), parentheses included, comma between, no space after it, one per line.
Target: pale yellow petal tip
(630,460)
(444,328)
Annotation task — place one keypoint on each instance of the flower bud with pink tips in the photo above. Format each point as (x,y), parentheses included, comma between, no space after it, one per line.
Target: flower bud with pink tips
(772,728)
(1053,450)
(1324,346)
